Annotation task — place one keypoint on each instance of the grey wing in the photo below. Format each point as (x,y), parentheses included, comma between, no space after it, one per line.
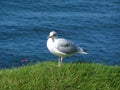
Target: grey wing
(66,46)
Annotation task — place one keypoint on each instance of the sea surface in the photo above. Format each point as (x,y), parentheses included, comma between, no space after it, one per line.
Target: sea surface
(92,24)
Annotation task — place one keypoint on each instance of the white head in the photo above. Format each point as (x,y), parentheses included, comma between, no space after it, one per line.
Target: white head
(53,34)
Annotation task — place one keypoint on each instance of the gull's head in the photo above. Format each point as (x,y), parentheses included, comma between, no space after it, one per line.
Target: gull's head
(52,34)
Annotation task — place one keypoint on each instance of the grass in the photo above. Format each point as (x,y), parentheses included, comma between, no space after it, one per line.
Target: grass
(71,76)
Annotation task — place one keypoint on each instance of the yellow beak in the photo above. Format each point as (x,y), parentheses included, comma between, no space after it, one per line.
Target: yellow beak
(49,37)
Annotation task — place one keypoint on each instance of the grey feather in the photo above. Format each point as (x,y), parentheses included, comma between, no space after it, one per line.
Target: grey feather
(66,46)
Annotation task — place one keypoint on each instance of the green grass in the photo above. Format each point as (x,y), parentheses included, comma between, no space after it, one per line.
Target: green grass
(71,76)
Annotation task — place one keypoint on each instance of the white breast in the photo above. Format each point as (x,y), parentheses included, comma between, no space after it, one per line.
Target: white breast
(52,48)
(50,44)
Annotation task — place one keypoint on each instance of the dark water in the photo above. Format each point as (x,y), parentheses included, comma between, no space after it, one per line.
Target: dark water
(25,25)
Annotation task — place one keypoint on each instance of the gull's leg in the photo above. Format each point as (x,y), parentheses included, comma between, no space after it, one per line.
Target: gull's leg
(59,61)
(61,58)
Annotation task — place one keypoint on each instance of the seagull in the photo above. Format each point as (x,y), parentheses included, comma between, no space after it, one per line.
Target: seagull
(62,47)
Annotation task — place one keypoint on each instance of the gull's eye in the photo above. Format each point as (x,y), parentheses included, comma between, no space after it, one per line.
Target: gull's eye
(54,34)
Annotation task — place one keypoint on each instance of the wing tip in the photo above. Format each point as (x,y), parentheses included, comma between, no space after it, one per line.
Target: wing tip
(84,51)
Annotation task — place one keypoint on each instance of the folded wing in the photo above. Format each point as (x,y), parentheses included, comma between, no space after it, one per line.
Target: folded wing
(66,46)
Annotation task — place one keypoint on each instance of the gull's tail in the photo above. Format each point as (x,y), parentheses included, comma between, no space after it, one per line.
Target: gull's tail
(83,51)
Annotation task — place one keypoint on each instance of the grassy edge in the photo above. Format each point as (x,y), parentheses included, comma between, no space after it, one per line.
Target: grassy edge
(71,76)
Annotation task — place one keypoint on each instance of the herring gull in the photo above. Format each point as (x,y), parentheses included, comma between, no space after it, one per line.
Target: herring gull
(62,47)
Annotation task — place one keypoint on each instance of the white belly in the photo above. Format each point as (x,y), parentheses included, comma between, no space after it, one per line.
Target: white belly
(51,47)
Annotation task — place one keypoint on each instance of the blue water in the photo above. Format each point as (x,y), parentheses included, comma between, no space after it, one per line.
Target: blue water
(25,25)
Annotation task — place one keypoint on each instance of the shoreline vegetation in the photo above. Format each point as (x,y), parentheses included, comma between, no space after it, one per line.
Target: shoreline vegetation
(70,76)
